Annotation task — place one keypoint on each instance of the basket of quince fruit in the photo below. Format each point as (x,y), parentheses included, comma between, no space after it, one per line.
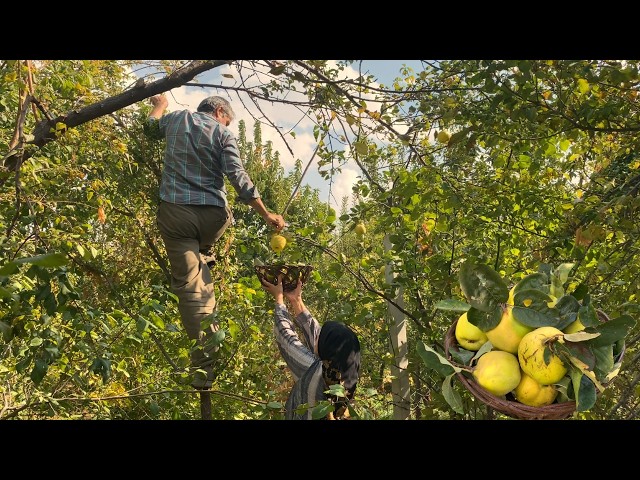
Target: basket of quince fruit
(291,274)
(534,351)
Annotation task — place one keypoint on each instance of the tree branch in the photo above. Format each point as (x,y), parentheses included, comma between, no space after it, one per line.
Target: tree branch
(42,133)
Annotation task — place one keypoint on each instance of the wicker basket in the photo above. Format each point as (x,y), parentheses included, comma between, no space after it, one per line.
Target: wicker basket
(290,274)
(508,405)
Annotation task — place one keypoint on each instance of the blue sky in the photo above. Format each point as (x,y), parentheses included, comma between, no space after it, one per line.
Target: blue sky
(288,119)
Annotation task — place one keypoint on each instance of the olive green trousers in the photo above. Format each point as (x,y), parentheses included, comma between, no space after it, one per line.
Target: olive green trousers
(188,231)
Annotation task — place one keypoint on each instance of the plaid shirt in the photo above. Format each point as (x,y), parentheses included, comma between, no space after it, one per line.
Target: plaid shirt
(304,363)
(199,153)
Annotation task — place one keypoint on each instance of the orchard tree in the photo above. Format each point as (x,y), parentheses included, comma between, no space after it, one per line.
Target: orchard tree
(538,168)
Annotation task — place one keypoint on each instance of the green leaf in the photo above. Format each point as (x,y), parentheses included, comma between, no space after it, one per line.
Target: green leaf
(46,260)
(558,278)
(154,407)
(141,324)
(581,292)
(482,286)
(39,371)
(612,331)
(535,281)
(586,395)
(451,396)
(434,360)
(452,305)
(458,136)
(530,307)
(588,316)
(279,70)
(463,356)
(361,147)
(562,272)
(4,293)
(6,330)
(9,269)
(533,319)
(274,405)
(485,321)
(217,338)
(579,350)
(568,307)
(604,362)
(336,390)
(321,410)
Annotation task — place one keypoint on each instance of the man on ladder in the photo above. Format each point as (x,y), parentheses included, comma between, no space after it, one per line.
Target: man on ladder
(194,212)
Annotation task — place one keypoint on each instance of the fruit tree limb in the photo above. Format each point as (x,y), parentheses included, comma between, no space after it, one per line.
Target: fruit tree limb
(43,134)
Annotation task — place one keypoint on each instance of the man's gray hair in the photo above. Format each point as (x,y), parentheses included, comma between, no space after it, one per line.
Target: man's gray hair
(210,104)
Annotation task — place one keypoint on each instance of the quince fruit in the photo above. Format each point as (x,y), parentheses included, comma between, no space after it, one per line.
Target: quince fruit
(508,333)
(531,355)
(468,335)
(497,372)
(532,393)
(278,242)
(443,136)
(573,327)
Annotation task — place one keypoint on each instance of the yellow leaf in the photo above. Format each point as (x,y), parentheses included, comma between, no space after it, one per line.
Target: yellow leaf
(583,85)
(584,368)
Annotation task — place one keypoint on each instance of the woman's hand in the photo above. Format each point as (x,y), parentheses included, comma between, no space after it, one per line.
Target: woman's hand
(274,289)
(295,295)
(295,298)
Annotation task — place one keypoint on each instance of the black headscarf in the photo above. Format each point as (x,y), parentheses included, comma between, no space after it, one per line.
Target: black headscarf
(339,350)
